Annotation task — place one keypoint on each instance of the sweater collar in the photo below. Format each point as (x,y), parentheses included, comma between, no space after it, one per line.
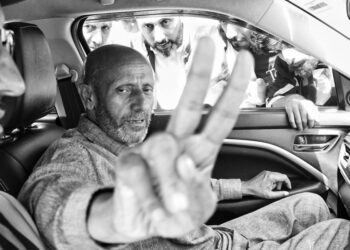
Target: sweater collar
(96,135)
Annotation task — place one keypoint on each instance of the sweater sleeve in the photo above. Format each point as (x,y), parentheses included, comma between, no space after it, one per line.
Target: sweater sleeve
(227,189)
(58,196)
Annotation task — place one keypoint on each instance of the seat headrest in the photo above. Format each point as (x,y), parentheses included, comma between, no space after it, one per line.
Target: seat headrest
(33,59)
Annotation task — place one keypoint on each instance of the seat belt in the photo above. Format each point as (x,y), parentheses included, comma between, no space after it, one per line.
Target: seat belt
(68,102)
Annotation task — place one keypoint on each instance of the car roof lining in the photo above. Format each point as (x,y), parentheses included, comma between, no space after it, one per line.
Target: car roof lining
(42,9)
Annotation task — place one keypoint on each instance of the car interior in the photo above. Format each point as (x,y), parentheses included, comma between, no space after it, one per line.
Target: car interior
(49,48)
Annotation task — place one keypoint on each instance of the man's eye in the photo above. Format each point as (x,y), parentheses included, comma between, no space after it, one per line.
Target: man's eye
(105,28)
(90,27)
(148,90)
(166,22)
(123,90)
(149,26)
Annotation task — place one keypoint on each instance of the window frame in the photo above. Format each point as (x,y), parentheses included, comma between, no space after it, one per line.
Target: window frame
(83,48)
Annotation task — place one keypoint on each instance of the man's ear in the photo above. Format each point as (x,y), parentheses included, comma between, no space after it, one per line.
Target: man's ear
(88,96)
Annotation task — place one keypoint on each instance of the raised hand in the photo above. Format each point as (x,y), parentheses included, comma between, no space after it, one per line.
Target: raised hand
(162,187)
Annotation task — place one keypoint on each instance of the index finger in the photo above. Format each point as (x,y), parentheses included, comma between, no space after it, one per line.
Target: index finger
(224,114)
(187,115)
(283,178)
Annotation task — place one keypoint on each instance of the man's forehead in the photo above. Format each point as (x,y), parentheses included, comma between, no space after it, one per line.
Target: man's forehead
(133,67)
(98,23)
(156,19)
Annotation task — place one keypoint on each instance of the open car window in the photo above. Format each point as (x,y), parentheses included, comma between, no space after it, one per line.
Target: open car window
(168,42)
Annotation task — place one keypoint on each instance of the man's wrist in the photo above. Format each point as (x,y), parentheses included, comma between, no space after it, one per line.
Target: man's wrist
(100,217)
(246,188)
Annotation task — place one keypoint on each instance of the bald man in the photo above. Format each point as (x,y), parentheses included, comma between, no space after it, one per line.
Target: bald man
(100,187)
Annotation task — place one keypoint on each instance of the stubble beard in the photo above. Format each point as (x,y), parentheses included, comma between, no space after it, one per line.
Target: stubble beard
(166,52)
(119,130)
(174,44)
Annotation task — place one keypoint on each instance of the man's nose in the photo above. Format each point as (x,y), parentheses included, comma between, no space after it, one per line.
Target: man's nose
(159,35)
(96,38)
(11,82)
(138,101)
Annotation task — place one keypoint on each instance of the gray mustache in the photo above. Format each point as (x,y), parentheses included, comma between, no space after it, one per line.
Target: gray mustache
(137,116)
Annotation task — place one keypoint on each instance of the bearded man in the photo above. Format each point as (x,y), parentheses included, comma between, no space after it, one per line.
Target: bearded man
(167,42)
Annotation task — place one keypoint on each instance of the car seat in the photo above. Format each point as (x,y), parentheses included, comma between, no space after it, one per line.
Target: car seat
(24,141)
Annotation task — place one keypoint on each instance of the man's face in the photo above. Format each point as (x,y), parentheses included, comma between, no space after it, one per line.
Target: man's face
(163,34)
(96,33)
(238,36)
(11,82)
(307,68)
(125,101)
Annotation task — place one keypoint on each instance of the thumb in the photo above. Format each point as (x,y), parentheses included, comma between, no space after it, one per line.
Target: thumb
(277,194)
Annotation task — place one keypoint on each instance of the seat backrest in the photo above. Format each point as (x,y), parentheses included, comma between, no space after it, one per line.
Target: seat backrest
(25,142)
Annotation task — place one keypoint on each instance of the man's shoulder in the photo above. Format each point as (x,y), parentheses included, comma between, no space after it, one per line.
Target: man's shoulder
(71,142)
(69,137)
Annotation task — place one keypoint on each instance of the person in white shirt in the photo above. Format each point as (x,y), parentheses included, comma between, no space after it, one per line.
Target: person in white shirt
(168,43)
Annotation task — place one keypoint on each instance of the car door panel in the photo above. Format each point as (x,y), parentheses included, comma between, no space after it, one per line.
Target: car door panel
(242,159)
(263,140)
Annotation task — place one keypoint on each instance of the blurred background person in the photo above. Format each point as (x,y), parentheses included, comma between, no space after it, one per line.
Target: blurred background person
(299,74)
(168,42)
(240,38)
(96,33)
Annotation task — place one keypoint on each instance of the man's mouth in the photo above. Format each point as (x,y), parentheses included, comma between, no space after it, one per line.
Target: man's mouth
(136,124)
(136,121)
(162,46)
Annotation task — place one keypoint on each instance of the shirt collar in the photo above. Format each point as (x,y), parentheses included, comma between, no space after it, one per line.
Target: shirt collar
(96,135)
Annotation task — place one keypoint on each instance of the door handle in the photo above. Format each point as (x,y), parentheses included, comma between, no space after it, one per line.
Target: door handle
(314,142)
(311,147)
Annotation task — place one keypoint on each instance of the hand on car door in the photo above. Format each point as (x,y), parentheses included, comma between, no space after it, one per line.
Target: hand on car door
(267,185)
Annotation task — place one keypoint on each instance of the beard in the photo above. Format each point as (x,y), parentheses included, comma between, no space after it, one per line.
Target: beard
(129,130)
(166,46)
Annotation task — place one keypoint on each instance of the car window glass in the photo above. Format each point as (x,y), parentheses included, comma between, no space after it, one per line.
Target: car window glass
(168,43)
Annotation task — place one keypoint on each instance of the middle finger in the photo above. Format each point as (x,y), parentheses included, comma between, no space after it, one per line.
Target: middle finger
(224,114)
(187,115)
